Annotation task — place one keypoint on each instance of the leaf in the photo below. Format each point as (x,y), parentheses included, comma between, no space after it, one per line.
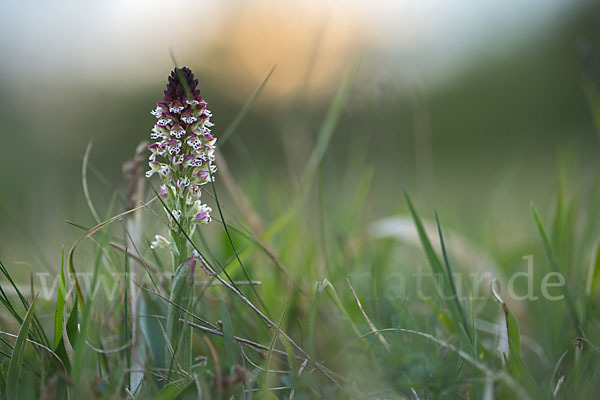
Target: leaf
(515,364)
(237,254)
(448,287)
(593,272)
(230,347)
(64,349)
(555,268)
(80,342)
(450,279)
(180,300)
(327,287)
(60,302)
(16,361)
(172,391)
(555,372)
(150,311)
(37,331)
(69,331)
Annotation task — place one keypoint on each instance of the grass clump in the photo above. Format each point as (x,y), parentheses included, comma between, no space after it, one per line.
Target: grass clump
(323,302)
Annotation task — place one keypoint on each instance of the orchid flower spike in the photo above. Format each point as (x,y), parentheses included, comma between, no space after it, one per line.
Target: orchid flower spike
(183,151)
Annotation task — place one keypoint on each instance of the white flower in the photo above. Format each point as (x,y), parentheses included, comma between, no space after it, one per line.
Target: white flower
(160,242)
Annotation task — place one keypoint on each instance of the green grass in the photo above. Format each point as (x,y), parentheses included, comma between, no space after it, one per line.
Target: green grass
(312,301)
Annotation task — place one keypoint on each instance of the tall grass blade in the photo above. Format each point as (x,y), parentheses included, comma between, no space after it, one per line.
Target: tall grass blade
(555,268)
(80,343)
(150,324)
(16,362)
(230,347)
(329,124)
(38,332)
(245,109)
(60,302)
(466,326)
(84,182)
(448,288)
(235,251)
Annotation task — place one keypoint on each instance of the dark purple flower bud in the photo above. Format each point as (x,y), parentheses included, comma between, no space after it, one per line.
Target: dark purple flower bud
(176,89)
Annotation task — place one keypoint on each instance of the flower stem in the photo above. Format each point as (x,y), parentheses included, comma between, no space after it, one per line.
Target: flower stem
(180,252)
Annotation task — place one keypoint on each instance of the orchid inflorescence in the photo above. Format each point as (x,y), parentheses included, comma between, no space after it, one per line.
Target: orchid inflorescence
(183,152)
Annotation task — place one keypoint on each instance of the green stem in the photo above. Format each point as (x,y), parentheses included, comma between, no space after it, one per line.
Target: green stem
(180,253)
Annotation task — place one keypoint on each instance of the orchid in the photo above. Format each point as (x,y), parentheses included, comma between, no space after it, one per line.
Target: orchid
(183,156)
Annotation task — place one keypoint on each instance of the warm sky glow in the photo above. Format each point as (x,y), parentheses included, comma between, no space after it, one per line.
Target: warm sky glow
(244,39)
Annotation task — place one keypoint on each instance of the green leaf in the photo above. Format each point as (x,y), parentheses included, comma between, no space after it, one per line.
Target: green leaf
(555,372)
(172,391)
(16,361)
(37,331)
(516,366)
(230,347)
(555,268)
(180,301)
(450,279)
(80,348)
(71,334)
(328,288)
(73,321)
(448,287)
(593,272)
(151,328)
(60,302)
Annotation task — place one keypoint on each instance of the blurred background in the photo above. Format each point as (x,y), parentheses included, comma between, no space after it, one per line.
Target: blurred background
(471,105)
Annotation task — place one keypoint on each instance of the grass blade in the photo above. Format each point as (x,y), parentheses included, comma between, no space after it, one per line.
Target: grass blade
(328,288)
(516,365)
(150,312)
(593,271)
(86,191)
(38,331)
(235,251)
(329,124)
(555,268)
(60,302)
(245,109)
(448,288)
(80,342)
(16,361)
(450,279)
(230,348)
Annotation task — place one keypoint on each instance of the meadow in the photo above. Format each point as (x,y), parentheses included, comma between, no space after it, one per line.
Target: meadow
(369,241)
(306,297)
